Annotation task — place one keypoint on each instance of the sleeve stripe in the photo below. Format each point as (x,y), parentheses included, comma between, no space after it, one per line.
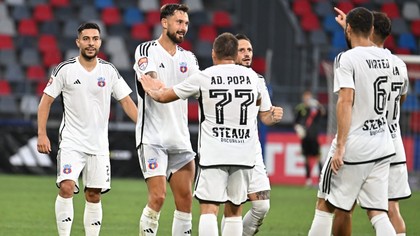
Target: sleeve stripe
(62,64)
(112,65)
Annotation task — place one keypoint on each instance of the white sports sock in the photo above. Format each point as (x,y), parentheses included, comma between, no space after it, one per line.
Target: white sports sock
(64,215)
(92,218)
(149,222)
(401,234)
(233,226)
(208,225)
(322,224)
(254,217)
(182,225)
(382,225)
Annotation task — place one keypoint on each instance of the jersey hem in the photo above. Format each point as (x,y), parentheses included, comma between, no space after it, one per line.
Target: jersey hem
(398,163)
(225,165)
(369,161)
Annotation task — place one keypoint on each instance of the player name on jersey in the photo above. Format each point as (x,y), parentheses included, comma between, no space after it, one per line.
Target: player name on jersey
(231,80)
(378,63)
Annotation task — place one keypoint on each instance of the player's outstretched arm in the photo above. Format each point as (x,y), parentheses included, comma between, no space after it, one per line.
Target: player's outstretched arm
(340,18)
(156,90)
(129,108)
(44,145)
(271,117)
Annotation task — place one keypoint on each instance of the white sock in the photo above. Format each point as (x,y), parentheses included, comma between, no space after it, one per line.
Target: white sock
(64,215)
(182,224)
(92,218)
(208,225)
(253,219)
(322,224)
(233,226)
(149,222)
(382,225)
(401,234)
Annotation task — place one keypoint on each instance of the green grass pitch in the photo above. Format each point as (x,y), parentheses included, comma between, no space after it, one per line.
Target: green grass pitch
(27,208)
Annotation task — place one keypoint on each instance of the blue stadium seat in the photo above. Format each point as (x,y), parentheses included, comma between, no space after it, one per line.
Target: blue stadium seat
(338,39)
(417,87)
(411,103)
(100,4)
(399,26)
(330,25)
(132,15)
(407,40)
(20,12)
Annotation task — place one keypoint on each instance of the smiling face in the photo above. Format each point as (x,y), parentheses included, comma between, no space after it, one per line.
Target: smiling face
(176,26)
(89,42)
(244,53)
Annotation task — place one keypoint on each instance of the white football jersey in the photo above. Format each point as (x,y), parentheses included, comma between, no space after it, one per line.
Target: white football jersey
(160,124)
(228,96)
(87,99)
(399,86)
(367,70)
(265,96)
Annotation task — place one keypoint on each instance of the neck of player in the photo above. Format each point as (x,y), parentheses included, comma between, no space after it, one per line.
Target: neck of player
(88,63)
(223,61)
(361,42)
(167,44)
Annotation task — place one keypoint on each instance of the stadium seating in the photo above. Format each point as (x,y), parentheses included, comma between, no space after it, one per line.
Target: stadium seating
(28,27)
(6,42)
(132,16)
(141,31)
(5,88)
(35,73)
(111,16)
(43,12)
(60,3)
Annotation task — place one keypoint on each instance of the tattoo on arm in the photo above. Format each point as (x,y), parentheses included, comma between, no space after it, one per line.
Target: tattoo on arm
(263,195)
(152,74)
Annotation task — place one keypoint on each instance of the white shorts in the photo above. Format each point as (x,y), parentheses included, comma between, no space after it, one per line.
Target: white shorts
(367,183)
(223,184)
(259,181)
(158,161)
(96,169)
(398,187)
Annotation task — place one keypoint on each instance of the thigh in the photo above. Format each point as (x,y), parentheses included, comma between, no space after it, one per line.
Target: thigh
(238,182)
(398,187)
(259,181)
(70,164)
(153,160)
(97,172)
(374,192)
(211,184)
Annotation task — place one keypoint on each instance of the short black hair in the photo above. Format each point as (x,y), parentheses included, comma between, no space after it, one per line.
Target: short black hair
(88,25)
(381,24)
(242,37)
(169,9)
(361,21)
(225,46)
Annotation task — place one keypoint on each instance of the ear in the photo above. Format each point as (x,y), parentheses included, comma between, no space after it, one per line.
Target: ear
(348,28)
(77,42)
(164,23)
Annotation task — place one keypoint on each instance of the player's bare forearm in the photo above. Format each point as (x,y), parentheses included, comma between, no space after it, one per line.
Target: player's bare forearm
(271,117)
(344,112)
(163,95)
(129,108)
(44,107)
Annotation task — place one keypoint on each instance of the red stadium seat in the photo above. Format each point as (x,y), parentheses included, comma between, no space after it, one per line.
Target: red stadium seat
(141,31)
(43,12)
(59,3)
(28,27)
(258,64)
(193,111)
(163,2)
(302,7)
(359,2)
(391,9)
(111,16)
(36,73)
(345,6)
(153,17)
(309,22)
(187,45)
(102,55)
(403,51)
(5,88)
(6,42)
(47,43)
(207,33)
(415,121)
(222,19)
(415,28)
(52,58)
(390,43)
(40,86)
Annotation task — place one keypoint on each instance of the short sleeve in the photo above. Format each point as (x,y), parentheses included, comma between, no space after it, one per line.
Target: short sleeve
(265,96)
(190,87)
(343,73)
(194,62)
(120,88)
(143,64)
(404,75)
(55,84)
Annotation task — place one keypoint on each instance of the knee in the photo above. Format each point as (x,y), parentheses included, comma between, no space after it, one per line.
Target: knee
(261,207)
(93,195)
(67,188)
(157,199)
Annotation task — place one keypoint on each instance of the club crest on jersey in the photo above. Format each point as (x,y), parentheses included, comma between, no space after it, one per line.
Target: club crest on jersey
(152,163)
(67,169)
(50,81)
(143,63)
(183,67)
(101,82)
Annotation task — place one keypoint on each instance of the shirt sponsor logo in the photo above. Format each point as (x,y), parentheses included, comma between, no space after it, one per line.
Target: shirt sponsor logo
(375,126)
(101,82)
(142,63)
(67,169)
(152,163)
(231,135)
(183,67)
